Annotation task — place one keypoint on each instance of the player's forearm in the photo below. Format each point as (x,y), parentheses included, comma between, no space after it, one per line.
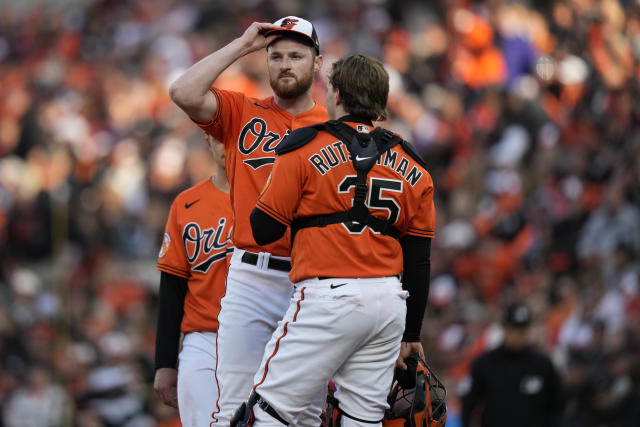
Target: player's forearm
(191,92)
(170,311)
(415,279)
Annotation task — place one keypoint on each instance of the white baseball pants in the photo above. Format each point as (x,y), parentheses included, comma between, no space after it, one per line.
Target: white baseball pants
(197,386)
(256,299)
(346,329)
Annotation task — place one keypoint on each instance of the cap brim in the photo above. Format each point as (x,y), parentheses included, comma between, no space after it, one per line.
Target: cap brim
(295,34)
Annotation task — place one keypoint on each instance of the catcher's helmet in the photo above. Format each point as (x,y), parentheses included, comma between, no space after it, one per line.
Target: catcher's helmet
(417,397)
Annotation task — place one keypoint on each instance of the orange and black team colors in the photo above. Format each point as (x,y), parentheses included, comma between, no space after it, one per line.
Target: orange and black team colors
(197,246)
(193,259)
(250,130)
(258,294)
(348,311)
(258,288)
(359,201)
(318,179)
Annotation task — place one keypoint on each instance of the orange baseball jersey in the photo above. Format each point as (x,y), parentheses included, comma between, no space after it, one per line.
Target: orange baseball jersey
(196,245)
(319,178)
(251,129)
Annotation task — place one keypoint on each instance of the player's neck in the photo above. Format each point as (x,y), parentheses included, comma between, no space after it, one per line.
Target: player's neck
(298,105)
(338,111)
(219,180)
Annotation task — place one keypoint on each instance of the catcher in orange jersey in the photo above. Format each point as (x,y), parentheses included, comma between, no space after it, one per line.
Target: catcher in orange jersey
(360,203)
(258,288)
(193,262)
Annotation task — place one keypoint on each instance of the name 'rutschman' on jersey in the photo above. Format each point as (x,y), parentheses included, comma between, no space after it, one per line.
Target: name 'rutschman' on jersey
(334,154)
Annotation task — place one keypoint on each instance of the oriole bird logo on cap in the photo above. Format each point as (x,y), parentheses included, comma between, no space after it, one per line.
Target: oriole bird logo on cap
(288,23)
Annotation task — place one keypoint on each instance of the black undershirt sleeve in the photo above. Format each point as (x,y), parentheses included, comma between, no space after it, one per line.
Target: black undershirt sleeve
(173,290)
(416,252)
(265,229)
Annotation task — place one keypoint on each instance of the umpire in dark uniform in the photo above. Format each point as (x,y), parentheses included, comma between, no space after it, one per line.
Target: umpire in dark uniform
(514,384)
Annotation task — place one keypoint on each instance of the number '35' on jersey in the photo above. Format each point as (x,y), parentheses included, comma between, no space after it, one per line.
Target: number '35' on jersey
(319,178)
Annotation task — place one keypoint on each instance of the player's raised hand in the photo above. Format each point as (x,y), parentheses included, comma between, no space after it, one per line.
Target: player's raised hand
(165,383)
(254,39)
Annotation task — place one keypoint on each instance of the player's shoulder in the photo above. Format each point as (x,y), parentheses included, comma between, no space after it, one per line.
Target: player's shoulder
(239,97)
(313,134)
(418,165)
(298,138)
(229,92)
(406,161)
(197,190)
(411,150)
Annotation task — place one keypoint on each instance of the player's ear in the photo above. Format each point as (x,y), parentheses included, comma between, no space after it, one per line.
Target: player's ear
(338,97)
(317,63)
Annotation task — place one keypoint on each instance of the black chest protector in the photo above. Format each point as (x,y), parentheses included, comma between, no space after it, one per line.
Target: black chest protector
(365,149)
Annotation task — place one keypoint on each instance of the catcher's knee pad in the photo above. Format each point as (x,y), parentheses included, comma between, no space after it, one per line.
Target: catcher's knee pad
(244,417)
(332,414)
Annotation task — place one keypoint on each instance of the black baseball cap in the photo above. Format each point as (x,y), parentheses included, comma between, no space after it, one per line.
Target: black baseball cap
(301,29)
(517,315)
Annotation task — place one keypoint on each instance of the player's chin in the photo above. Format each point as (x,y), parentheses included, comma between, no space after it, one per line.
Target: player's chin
(286,83)
(289,90)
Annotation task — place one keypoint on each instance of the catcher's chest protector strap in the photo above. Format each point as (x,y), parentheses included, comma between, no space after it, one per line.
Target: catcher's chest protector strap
(365,150)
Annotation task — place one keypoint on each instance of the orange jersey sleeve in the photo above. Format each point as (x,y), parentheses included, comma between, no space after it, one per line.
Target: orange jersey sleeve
(319,178)
(251,129)
(197,247)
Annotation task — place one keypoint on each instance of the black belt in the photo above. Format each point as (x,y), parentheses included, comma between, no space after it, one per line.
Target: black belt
(274,263)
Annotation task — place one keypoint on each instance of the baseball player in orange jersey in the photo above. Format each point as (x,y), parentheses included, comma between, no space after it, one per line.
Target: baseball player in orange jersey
(258,288)
(193,262)
(349,318)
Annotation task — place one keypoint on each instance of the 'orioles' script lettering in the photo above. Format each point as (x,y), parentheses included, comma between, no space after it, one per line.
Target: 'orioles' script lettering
(197,241)
(254,135)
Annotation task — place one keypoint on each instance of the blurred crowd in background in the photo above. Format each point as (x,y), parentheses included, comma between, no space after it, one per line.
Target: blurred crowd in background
(524,112)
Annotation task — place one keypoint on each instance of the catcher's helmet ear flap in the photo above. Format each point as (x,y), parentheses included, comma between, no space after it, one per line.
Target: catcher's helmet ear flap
(417,397)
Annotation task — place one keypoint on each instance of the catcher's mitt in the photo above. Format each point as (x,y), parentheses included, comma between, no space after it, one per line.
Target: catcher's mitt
(417,399)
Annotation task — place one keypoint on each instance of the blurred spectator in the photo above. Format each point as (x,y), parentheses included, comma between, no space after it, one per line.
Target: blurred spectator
(616,222)
(115,394)
(40,402)
(513,384)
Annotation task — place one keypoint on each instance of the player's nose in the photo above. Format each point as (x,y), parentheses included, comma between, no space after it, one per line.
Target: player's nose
(285,64)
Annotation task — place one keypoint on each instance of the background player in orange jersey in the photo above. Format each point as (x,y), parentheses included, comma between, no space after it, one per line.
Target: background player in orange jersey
(258,288)
(193,263)
(350,318)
